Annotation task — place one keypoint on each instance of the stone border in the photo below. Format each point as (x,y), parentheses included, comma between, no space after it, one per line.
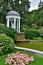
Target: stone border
(36,40)
(30,50)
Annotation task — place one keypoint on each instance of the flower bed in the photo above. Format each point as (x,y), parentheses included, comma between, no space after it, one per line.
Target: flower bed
(18,59)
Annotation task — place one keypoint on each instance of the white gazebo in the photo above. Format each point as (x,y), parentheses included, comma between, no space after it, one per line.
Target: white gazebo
(13,20)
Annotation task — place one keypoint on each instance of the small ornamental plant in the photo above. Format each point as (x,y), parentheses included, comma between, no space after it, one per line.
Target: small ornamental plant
(18,59)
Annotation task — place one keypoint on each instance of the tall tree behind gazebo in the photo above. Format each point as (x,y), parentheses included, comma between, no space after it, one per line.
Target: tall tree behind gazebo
(20,6)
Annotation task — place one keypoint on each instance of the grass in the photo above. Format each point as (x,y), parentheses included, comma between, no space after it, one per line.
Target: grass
(37,60)
(32,45)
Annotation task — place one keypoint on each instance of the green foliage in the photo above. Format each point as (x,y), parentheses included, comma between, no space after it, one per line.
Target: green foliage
(7,43)
(31,33)
(37,17)
(21,7)
(34,17)
(8,31)
(24,27)
(41,32)
(5,6)
(38,38)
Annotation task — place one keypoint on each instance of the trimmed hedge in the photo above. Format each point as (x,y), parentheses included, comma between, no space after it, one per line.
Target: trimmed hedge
(8,31)
(30,34)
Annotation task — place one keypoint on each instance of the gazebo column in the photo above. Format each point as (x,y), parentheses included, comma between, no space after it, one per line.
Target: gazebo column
(8,22)
(14,23)
(19,25)
(11,25)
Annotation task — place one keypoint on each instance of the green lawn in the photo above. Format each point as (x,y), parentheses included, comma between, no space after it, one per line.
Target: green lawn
(32,45)
(37,60)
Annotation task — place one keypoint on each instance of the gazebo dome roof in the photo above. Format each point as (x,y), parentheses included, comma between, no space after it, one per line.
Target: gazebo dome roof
(14,13)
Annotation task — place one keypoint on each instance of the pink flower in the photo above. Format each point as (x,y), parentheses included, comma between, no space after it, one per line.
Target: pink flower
(18,59)
(31,58)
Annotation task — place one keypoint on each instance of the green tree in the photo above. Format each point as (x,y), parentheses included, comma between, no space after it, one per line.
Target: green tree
(20,6)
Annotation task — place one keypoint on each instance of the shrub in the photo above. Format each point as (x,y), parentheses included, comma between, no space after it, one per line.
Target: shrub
(41,32)
(7,43)
(38,38)
(8,31)
(31,33)
(24,27)
(18,59)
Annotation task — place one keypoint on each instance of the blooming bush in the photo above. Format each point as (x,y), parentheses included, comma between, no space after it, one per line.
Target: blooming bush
(18,59)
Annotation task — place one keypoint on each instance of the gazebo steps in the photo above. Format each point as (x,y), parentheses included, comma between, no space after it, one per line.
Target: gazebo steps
(20,38)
